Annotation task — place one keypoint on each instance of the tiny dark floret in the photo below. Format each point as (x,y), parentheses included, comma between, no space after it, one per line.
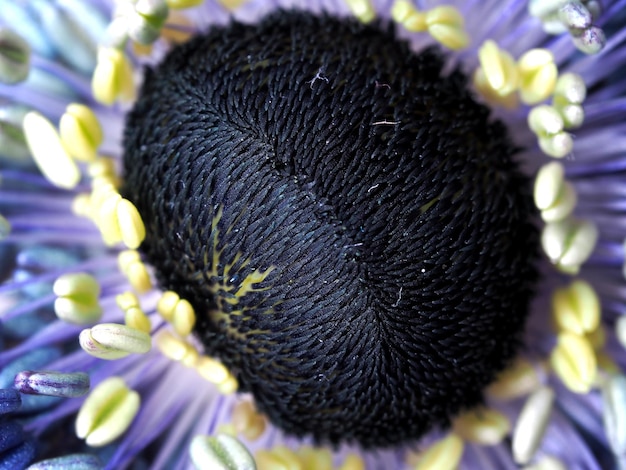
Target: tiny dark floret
(351,228)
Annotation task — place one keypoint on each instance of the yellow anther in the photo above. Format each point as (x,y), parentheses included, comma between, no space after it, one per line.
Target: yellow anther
(557,146)
(191,358)
(127,300)
(362,9)
(569,94)
(172,347)
(212,370)
(446,24)
(77,298)
(180,4)
(134,317)
(531,425)
(112,341)
(279,458)
(184,318)
(482,426)
(403,12)
(81,133)
(554,196)
(247,421)
(131,226)
(127,258)
(548,124)
(573,115)
(113,77)
(177,311)
(118,218)
(167,305)
(499,68)
(516,381)
(135,270)
(569,243)
(229,386)
(570,88)
(508,101)
(576,308)
(48,151)
(545,120)
(538,75)
(107,412)
(105,202)
(443,455)
(548,185)
(315,459)
(138,276)
(574,362)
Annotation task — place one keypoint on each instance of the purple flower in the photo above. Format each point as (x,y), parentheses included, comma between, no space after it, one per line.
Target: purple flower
(91,295)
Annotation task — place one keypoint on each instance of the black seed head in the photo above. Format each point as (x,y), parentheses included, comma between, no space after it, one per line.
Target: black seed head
(351,229)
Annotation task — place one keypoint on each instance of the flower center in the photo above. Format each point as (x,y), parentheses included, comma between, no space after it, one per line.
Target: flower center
(350,228)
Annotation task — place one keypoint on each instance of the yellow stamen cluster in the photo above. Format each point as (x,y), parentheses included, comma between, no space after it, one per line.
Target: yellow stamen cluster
(580,338)
(134,316)
(533,79)
(304,458)
(180,314)
(142,23)
(554,196)
(574,361)
(113,77)
(130,264)
(444,23)
(550,122)
(567,242)
(107,412)
(81,133)
(117,218)
(502,80)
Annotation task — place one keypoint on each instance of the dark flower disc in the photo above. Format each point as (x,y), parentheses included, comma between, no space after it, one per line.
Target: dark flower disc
(351,229)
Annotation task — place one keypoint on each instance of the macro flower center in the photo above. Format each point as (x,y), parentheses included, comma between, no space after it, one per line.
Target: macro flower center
(348,223)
